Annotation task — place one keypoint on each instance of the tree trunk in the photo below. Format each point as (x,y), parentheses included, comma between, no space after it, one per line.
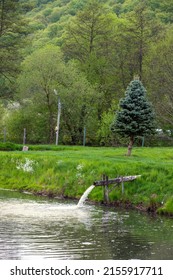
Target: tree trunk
(130,146)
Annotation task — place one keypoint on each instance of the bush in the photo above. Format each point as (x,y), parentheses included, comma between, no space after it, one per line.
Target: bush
(10,147)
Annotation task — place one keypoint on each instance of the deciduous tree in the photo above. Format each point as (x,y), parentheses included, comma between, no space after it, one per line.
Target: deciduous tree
(160,68)
(89,38)
(142,29)
(42,72)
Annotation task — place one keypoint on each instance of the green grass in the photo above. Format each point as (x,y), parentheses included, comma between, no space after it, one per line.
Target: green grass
(69,170)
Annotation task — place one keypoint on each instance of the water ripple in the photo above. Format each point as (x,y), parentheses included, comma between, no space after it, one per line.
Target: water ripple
(31,229)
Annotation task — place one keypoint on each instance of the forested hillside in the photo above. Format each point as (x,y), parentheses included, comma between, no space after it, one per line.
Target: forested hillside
(87,52)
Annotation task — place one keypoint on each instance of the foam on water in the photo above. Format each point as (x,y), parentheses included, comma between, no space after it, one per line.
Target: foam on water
(26,208)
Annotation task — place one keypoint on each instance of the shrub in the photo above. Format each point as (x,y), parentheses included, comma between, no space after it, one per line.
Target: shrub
(10,147)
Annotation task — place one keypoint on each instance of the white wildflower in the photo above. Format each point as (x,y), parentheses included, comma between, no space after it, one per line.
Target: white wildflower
(79,171)
(80,167)
(27,165)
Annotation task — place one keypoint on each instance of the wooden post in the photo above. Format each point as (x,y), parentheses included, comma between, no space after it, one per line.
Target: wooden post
(105,189)
(103,179)
(122,184)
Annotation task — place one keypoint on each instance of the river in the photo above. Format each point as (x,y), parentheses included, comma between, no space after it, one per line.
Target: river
(39,228)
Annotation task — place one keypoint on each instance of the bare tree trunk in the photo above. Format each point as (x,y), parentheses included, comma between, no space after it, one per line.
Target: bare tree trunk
(130,146)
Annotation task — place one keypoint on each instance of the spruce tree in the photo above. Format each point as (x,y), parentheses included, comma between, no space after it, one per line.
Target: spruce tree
(135,116)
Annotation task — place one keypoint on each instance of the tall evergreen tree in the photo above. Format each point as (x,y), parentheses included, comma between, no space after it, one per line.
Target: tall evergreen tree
(136,115)
(12,33)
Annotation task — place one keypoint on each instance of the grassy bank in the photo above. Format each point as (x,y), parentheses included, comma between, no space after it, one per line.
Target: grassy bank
(68,171)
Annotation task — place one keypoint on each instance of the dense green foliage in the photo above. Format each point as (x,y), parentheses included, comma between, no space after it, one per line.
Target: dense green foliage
(88,51)
(68,170)
(12,34)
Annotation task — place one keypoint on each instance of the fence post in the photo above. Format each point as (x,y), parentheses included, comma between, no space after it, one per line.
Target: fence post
(24,136)
(143,141)
(5,134)
(84,136)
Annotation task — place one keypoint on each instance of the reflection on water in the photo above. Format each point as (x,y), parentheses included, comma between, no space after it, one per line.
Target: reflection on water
(32,227)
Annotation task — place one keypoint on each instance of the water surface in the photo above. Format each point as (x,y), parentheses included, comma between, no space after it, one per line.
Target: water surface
(38,228)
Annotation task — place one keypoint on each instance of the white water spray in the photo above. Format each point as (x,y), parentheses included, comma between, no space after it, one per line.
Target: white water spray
(84,196)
